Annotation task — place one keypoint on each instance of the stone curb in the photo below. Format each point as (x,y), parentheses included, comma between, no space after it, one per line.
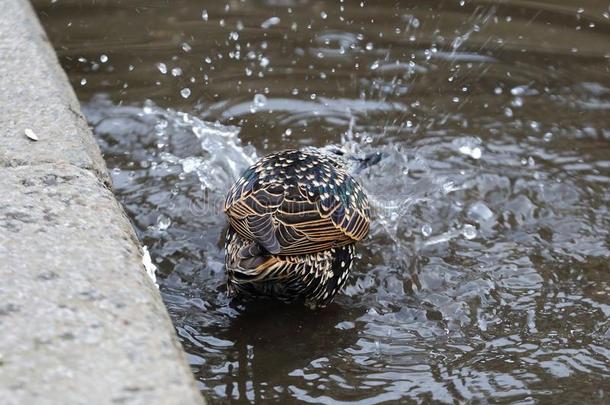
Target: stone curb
(80,320)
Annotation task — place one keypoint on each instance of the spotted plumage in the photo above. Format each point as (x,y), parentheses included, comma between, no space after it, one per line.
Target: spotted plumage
(294,217)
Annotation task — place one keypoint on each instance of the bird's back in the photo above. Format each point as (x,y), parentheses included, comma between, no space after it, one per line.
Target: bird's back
(298,202)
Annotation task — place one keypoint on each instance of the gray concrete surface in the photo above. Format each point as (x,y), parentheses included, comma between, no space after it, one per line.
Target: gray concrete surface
(34,94)
(80,321)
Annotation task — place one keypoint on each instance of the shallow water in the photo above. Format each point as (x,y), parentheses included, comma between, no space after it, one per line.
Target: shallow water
(485,277)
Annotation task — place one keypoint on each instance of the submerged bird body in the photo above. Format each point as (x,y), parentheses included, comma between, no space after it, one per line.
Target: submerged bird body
(294,218)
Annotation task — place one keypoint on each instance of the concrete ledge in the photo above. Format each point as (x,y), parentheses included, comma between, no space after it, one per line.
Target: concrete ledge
(81,321)
(35,94)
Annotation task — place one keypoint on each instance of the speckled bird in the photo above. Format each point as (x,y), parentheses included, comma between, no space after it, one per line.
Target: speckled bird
(294,218)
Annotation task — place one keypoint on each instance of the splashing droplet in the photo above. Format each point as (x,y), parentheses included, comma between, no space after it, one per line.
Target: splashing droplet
(518,91)
(185,92)
(480,212)
(270,22)
(259,101)
(163,222)
(469,231)
(474,152)
(426,230)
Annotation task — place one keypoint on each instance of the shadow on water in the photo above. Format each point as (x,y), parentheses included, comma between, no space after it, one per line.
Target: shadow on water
(485,276)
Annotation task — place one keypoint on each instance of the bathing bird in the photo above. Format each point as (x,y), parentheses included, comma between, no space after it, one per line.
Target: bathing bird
(294,219)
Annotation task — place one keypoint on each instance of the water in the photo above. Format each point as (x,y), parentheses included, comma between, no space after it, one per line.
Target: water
(485,277)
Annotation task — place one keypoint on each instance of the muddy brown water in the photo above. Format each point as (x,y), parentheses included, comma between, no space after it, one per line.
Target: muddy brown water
(486,275)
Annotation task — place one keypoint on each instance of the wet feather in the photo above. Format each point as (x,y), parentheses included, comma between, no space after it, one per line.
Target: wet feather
(294,218)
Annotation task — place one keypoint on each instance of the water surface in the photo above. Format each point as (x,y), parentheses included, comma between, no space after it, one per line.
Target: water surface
(485,276)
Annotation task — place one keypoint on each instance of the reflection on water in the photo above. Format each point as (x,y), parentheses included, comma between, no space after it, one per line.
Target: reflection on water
(485,277)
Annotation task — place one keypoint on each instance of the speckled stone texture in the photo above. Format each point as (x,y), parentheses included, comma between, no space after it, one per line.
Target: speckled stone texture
(80,321)
(35,94)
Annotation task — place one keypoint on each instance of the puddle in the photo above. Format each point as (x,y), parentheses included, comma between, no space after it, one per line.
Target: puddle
(485,276)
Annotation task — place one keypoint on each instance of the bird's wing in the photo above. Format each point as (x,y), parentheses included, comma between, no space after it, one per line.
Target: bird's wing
(317,207)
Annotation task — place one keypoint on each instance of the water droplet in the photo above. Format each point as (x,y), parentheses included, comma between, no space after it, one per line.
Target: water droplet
(375,65)
(162,68)
(270,22)
(480,212)
(264,62)
(323,15)
(469,231)
(449,187)
(186,47)
(547,137)
(163,222)
(288,132)
(517,102)
(176,72)
(426,230)
(259,101)
(191,164)
(83,81)
(518,91)
(204,15)
(103,58)
(473,152)
(185,92)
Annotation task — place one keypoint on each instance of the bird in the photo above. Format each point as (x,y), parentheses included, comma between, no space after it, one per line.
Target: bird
(295,217)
